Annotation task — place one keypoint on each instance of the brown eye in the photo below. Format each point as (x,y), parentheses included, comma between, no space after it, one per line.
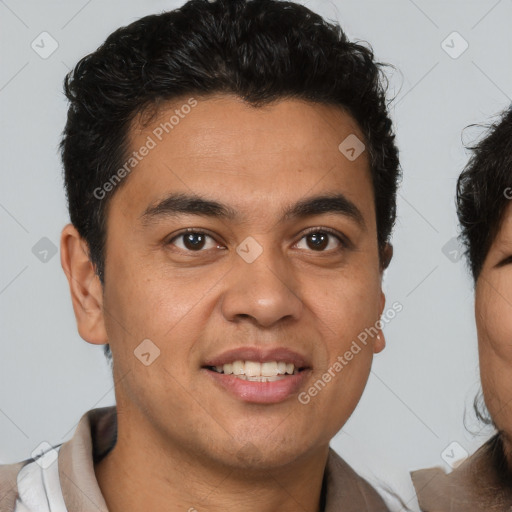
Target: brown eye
(321,240)
(193,241)
(318,241)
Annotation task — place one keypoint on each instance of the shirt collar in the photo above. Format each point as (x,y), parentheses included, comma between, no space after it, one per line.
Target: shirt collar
(96,435)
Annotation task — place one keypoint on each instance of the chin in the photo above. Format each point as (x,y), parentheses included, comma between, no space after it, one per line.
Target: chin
(258,454)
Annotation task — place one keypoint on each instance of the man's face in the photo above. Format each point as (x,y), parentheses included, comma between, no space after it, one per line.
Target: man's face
(256,286)
(493,311)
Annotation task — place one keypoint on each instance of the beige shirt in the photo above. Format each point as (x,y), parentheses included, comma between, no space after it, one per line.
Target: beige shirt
(474,486)
(63,479)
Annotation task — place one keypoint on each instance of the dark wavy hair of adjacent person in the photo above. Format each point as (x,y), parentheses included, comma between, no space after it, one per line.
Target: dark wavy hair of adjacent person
(482,191)
(262,51)
(482,198)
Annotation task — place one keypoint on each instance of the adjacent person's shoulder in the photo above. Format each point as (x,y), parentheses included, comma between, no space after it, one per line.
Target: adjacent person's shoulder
(9,484)
(476,485)
(347,491)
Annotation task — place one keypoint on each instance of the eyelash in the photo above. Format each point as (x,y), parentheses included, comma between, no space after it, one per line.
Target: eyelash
(344,243)
(505,261)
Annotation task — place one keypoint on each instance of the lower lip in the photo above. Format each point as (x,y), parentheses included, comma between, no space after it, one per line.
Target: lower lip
(260,392)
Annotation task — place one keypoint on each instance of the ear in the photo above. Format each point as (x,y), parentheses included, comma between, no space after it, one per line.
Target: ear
(85,286)
(386,255)
(380,342)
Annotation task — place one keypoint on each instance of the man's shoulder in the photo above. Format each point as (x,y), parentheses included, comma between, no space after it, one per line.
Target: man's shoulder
(37,480)
(9,484)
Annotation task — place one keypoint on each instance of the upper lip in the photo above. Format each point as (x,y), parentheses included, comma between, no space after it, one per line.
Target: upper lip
(261,355)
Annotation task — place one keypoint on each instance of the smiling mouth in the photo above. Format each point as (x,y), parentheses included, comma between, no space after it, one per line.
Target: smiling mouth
(255,371)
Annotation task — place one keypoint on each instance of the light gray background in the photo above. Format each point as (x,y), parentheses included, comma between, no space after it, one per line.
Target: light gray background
(414,405)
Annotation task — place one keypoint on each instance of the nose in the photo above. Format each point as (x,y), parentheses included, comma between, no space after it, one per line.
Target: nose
(264,291)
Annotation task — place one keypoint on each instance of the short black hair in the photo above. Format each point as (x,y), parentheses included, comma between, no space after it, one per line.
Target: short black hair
(262,51)
(484,189)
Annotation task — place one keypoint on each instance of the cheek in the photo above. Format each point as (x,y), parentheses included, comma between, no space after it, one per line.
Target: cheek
(493,314)
(346,305)
(494,327)
(148,304)
(149,299)
(344,316)
(345,313)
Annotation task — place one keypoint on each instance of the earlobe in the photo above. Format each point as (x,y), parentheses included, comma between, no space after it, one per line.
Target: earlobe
(85,286)
(380,341)
(386,256)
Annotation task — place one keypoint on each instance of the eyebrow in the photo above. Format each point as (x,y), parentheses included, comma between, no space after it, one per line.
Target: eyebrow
(192,204)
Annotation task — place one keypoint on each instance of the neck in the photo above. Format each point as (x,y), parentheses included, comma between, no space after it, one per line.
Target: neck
(152,475)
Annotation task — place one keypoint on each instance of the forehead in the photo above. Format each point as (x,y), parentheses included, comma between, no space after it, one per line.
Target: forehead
(504,234)
(223,148)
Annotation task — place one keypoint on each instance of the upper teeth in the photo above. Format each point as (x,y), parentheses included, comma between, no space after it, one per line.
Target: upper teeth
(255,369)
